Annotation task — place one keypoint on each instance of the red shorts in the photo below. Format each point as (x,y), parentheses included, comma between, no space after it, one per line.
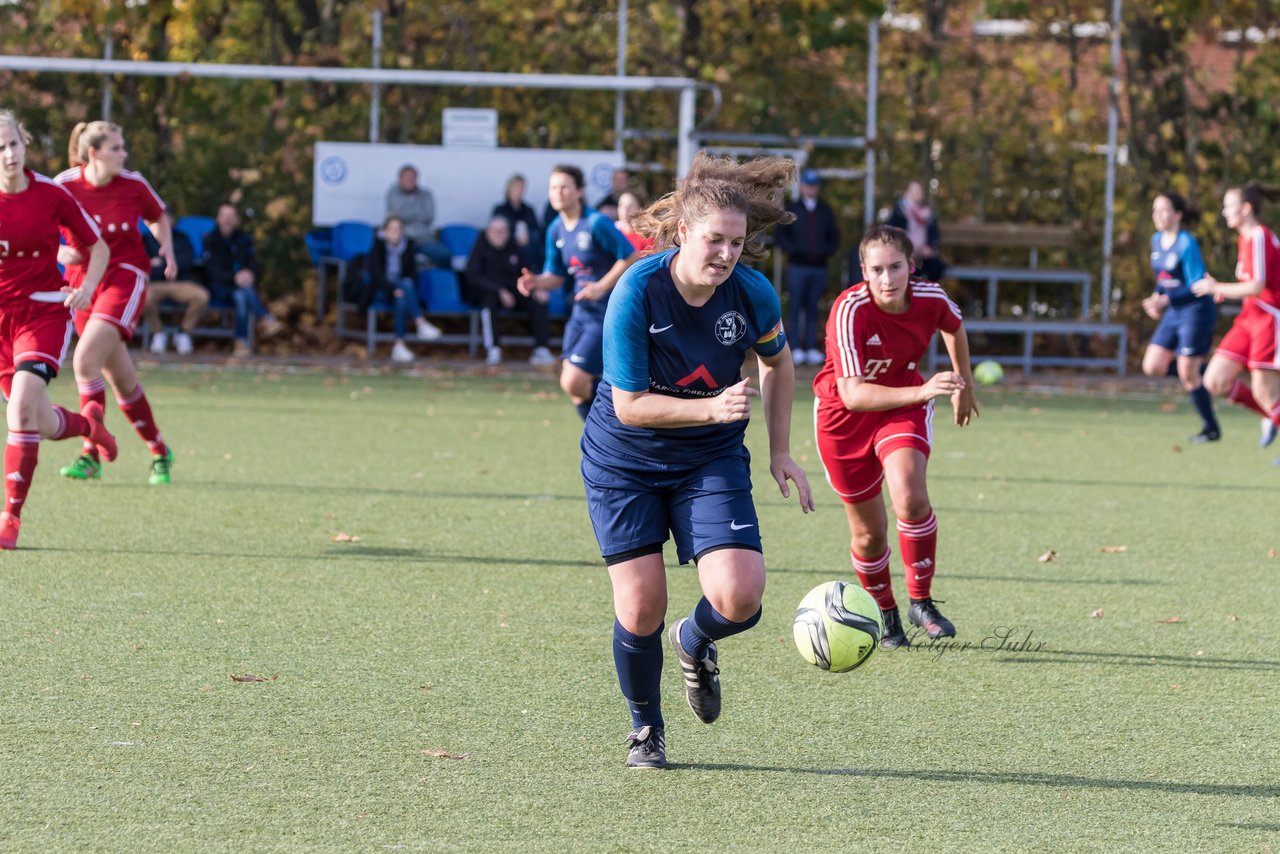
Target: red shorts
(1253,340)
(34,332)
(118,299)
(853,445)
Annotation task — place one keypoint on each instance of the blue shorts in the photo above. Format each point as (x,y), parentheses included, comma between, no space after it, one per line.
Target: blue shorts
(1187,330)
(584,344)
(704,507)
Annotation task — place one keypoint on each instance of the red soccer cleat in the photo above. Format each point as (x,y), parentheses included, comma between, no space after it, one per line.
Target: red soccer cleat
(98,433)
(9,531)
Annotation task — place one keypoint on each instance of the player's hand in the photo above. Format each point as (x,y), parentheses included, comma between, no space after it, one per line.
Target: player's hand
(1205,287)
(943,382)
(170,268)
(783,469)
(77,299)
(734,403)
(527,283)
(965,406)
(1151,306)
(591,291)
(69,257)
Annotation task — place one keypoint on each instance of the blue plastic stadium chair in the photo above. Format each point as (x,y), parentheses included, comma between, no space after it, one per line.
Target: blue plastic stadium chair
(195,228)
(441,293)
(348,239)
(319,243)
(458,239)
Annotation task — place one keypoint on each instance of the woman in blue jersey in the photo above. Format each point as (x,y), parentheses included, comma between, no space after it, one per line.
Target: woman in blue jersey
(662,449)
(1185,330)
(587,246)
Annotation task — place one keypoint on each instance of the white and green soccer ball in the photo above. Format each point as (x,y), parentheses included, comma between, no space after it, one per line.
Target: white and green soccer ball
(838,626)
(988,372)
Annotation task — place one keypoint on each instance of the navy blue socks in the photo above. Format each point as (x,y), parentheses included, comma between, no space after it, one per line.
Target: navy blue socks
(706,624)
(1203,402)
(638,659)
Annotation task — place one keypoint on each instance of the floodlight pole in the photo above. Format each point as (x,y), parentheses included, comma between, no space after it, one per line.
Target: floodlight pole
(1113,120)
(873,94)
(106,80)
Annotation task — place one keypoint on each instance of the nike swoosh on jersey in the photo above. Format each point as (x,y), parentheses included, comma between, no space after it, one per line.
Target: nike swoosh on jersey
(734,526)
(654,330)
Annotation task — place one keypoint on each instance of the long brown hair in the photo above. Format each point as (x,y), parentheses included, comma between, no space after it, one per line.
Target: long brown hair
(88,135)
(755,189)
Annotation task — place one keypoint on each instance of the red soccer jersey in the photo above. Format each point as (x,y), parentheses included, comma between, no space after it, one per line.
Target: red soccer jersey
(29,224)
(882,348)
(1258,258)
(116,207)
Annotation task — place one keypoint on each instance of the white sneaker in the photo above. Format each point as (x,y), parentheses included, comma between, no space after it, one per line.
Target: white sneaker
(428,331)
(798,357)
(541,357)
(815,357)
(401,353)
(159,342)
(182,342)
(494,357)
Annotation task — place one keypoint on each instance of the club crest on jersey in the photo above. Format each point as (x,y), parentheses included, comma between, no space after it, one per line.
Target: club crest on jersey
(730,327)
(584,240)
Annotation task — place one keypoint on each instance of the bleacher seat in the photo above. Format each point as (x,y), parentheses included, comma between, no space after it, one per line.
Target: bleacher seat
(441,294)
(348,239)
(195,228)
(458,239)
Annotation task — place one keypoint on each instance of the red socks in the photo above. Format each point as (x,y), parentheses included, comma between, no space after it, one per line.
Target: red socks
(919,544)
(21,451)
(1243,395)
(94,391)
(136,408)
(873,574)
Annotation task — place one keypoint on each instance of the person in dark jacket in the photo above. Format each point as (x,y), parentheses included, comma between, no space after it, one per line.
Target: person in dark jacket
(185,290)
(921,224)
(232,273)
(492,270)
(808,242)
(393,276)
(523,221)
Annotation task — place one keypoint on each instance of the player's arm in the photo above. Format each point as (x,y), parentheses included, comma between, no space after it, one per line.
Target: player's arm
(962,400)
(606,234)
(648,409)
(162,230)
(1227,290)
(859,395)
(777,392)
(600,287)
(530,282)
(80,298)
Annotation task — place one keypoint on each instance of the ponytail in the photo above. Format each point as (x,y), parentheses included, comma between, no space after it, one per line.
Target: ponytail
(87,136)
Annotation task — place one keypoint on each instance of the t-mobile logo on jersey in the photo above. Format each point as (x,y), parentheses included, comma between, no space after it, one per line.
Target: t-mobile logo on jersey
(876,367)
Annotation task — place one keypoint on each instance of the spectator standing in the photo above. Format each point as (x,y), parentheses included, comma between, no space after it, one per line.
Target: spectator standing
(184,290)
(619,181)
(416,208)
(393,276)
(808,242)
(628,206)
(492,272)
(523,222)
(918,220)
(231,265)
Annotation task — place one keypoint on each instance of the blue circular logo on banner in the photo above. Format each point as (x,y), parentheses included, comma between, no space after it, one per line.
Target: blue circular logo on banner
(333,170)
(602,176)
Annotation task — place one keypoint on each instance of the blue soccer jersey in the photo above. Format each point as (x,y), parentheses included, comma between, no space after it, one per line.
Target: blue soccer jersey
(656,342)
(1177,268)
(585,253)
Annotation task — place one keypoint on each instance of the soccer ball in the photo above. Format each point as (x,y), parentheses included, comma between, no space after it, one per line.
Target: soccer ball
(988,373)
(838,626)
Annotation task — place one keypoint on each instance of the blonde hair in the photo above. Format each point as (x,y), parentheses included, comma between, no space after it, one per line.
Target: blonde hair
(886,235)
(85,136)
(8,116)
(755,189)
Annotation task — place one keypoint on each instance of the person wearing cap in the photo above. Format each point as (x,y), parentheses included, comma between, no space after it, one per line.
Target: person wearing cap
(808,242)
(415,206)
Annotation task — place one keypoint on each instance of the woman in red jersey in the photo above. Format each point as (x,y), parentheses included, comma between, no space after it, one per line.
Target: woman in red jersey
(118,199)
(874,417)
(1251,342)
(35,317)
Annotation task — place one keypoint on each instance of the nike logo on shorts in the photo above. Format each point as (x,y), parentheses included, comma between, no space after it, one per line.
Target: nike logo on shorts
(654,329)
(576,359)
(734,526)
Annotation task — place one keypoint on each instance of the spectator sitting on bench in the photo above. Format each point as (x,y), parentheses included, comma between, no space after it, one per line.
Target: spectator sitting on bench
(393,274)
(231,268)
(416,208)
(184,290)
(492,271)
(918,220)
(523,221)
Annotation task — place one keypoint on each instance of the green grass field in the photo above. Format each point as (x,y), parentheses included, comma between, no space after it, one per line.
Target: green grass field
(445,682)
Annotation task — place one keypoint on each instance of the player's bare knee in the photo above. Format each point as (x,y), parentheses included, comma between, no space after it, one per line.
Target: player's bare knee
(1218,384)
(868,545)
(738,604)
(640,618)
(912,507)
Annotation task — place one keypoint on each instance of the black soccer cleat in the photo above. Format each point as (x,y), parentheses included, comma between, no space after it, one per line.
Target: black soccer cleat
(893,637)
(648,748)
(925,614)
(1205,435)
(701,678)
